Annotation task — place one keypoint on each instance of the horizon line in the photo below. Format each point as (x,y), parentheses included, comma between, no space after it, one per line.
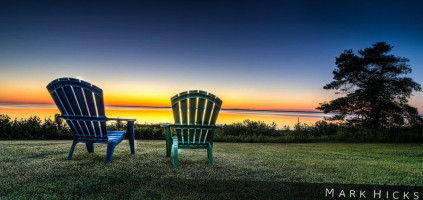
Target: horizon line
(48,105)
(23,105)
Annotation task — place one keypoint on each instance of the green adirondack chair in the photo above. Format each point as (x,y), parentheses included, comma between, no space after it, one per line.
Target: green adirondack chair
(82,106)
(195,113)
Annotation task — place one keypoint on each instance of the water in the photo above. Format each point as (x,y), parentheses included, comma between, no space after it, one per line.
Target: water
(164,115)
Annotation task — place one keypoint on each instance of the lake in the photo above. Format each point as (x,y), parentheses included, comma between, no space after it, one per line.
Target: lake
(164,115)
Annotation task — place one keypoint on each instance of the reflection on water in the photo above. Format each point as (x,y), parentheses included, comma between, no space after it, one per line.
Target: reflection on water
(164,115)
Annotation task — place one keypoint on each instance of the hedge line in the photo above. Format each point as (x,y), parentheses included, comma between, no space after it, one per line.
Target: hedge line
(246,131)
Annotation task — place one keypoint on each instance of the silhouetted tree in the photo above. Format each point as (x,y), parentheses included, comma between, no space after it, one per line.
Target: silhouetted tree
(375,90)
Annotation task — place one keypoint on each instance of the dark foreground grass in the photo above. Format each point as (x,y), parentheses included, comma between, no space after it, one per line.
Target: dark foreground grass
(38,169)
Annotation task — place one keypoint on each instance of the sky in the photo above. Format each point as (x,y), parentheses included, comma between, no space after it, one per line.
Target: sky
(252,54)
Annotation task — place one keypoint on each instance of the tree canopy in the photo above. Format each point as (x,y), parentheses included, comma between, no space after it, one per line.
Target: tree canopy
(374,87)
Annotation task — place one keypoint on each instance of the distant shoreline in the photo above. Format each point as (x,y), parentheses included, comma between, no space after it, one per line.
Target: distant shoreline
(290,113)
(10,105)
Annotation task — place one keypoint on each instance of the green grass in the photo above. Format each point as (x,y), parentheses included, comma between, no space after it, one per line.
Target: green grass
(38,169)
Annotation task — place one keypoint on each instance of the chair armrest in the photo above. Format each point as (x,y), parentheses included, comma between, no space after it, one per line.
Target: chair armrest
(119,119)
(165,125)
(170,125)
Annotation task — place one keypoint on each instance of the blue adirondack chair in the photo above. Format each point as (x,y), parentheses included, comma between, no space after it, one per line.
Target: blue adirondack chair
(82,106)
(195,113)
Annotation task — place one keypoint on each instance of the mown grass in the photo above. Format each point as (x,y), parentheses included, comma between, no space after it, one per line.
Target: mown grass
(38,169)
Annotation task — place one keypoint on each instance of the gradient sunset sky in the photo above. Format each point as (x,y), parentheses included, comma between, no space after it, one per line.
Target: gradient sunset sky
(252,54)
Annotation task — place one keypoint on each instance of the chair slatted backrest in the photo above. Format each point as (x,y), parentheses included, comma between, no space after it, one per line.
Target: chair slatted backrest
(195,113)
(82,106)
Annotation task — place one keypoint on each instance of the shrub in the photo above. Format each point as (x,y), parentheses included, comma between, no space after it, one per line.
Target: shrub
(33,128)
(246,131)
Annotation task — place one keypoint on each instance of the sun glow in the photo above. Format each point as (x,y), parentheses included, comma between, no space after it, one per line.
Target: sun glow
(161,115)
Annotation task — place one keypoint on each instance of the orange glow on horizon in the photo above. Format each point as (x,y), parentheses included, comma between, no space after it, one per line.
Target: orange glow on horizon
(149,116)
(118,100)
(38,96)
(288,104)
(137,94)
(24,95)
(24,113)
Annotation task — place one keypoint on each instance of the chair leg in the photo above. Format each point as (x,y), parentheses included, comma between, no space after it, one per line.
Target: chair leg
(132,145)
(110,149)
(71,150)
(90,147)
(210,154)
(131,136)
(168,141)
(175,152)
(175,156)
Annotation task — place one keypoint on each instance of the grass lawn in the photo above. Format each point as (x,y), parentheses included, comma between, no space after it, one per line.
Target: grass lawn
(38,169)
